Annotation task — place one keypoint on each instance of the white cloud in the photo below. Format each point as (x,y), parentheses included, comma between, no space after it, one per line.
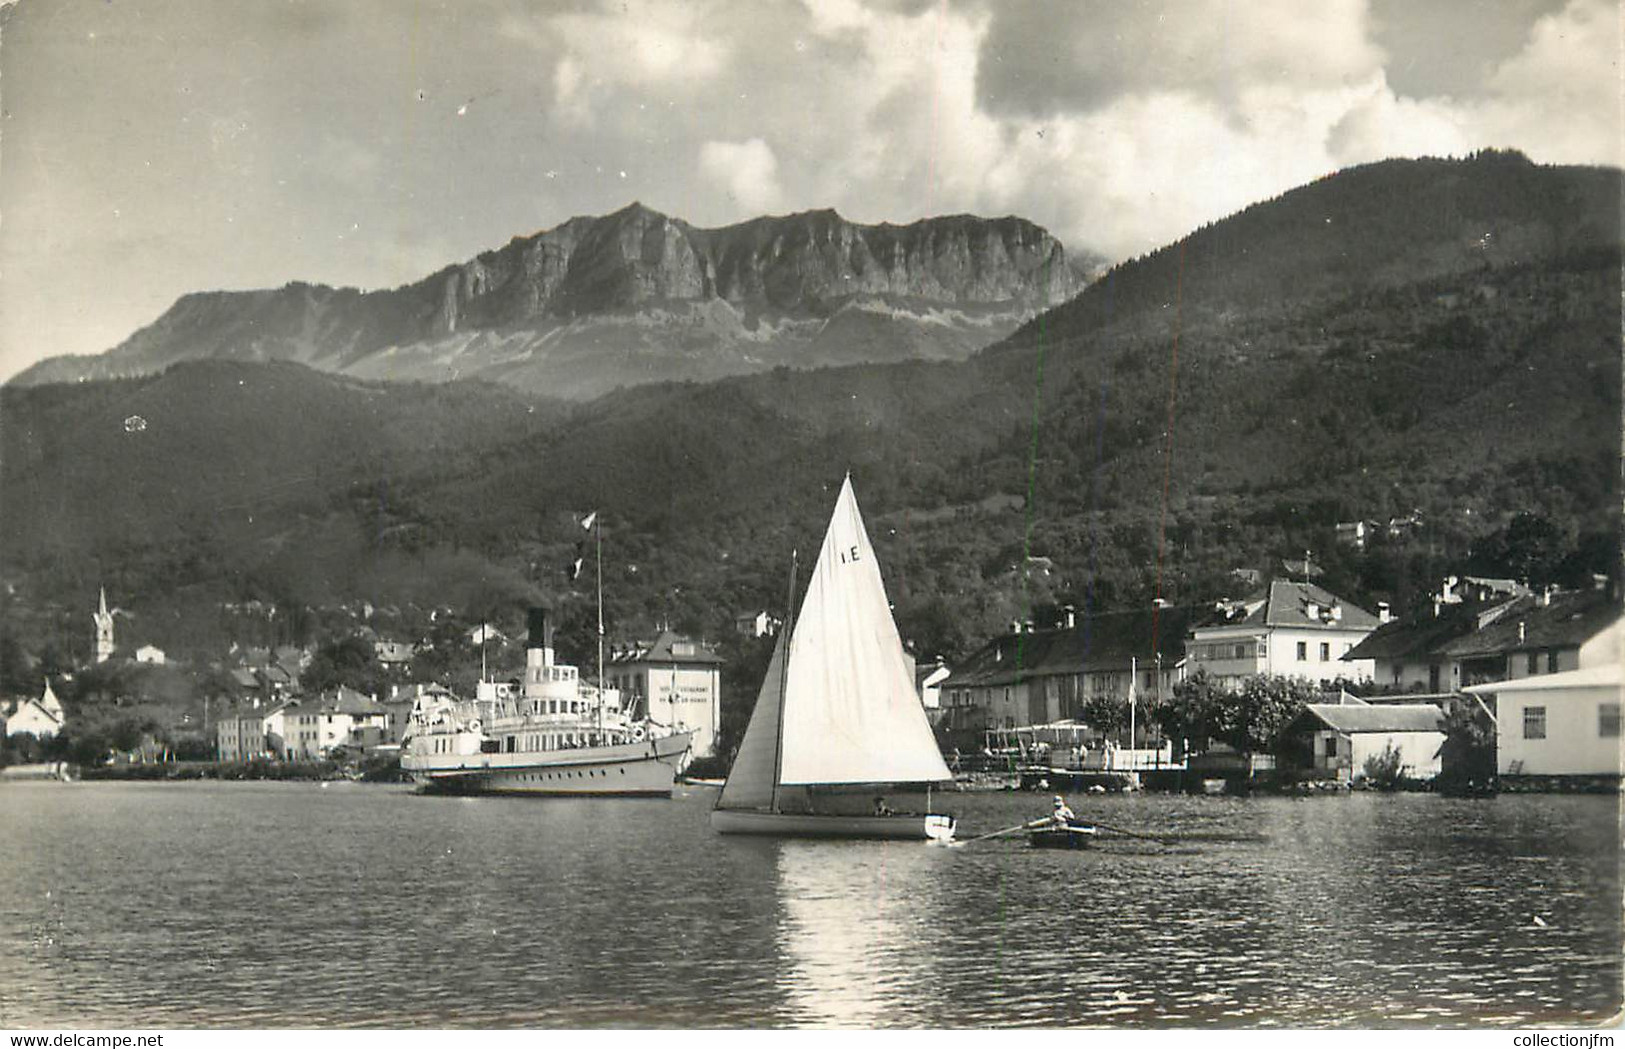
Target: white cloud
(1560,97)
(747,171)
(1381,125)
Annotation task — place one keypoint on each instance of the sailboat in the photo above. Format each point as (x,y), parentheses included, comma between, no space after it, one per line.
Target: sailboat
(837,708)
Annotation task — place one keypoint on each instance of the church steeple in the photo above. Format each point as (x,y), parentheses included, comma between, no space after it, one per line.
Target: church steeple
(104,630)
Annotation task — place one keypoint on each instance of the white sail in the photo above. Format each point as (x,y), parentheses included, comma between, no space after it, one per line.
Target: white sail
(750,778)
(851,714)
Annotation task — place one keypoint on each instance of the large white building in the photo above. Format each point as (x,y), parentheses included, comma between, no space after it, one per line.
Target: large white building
(1296,629)
(677,682)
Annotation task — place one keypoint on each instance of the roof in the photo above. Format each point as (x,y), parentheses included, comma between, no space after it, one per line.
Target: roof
(668,648)
(1102,641)
(1608,674)
(1354,718)
(1420,636)
(1286,603)
(245,678)
(1567,621)
(348,701)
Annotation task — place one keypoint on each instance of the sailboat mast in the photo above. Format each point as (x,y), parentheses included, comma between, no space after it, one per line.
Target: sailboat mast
(784,677)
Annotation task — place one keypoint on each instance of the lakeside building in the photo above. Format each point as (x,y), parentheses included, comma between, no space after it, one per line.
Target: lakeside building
(1490,636)
(1337,739)
(256,732)
(675,681)
(1564,725)
(1294,629)
(344,717)
(1036,677)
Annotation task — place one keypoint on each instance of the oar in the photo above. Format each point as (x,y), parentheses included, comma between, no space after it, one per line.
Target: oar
(1132,834)
(1007,830)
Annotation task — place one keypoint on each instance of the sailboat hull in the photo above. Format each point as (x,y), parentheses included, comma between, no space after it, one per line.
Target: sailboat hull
(933,827)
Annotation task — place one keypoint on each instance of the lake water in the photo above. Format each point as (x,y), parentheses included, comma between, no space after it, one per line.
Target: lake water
(274,905)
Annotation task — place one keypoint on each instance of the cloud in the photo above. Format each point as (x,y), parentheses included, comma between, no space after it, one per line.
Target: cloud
(1559,97)
(1053,57)
(1382,124)
(748,171)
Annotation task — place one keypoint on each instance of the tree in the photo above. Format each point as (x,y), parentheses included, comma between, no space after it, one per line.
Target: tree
(348,661)
(1105,714)
(1249,718)
(1467,757)
(16,670)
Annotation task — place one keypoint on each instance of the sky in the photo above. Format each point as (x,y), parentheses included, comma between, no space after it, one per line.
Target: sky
(150,148)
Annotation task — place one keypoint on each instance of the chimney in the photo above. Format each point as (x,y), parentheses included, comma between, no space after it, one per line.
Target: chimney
(537,623)
(1385,612)
(1522,633)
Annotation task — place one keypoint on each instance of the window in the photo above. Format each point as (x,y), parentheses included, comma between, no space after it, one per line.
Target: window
(1608,720)
(1534,722)
(1532,663)
(1551,661)
(1325,651)
(1303,651)
(1331,746)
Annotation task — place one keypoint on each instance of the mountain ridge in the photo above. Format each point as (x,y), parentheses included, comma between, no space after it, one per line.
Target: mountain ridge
(633,296)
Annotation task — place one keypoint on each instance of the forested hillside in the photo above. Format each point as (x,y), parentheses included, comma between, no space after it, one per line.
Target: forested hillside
(1219,405)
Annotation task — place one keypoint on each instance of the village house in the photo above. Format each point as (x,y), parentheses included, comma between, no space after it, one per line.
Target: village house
(150,654)
(756,624)
(486,634)
(393,653)
(1294,629)
(675,681)
(1492,636)
(1037,677)
(42,718)
(344,717)
(253,732)
(928,679)
(1337,739)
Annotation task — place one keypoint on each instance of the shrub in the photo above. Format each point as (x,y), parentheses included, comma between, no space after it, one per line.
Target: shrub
(1383,770)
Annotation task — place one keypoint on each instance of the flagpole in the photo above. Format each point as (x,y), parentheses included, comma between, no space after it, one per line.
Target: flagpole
(1133,673)
(598,536)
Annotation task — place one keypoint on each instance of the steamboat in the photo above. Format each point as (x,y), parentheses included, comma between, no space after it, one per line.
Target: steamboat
(550,734)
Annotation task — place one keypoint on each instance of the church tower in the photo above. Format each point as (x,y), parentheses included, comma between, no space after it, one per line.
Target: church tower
(104,630)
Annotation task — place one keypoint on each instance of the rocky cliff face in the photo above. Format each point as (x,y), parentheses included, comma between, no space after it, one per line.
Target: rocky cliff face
(633,297)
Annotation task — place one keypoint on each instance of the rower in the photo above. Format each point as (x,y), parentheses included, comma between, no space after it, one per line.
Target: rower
(1062,816)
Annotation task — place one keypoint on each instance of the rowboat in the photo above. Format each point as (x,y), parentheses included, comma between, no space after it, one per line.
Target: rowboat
(1071,836)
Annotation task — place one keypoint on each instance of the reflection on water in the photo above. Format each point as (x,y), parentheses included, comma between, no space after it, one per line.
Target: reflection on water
(298,905)
(856,927)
